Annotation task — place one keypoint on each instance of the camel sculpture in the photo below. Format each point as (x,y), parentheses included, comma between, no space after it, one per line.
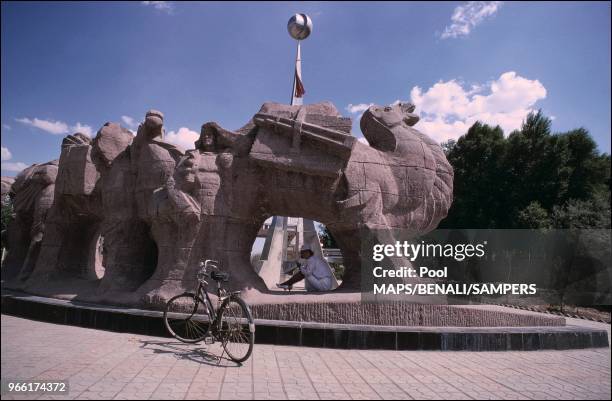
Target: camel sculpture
(125,219)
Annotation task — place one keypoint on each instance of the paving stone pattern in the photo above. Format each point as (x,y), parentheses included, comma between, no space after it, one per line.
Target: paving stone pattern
(107,365)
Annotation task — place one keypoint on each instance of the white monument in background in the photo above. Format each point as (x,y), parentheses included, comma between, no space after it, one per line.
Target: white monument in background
(285,235)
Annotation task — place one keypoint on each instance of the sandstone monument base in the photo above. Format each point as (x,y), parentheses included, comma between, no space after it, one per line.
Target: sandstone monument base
(422,327)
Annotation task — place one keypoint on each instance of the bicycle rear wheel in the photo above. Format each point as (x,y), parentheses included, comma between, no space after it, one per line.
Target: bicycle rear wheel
(236,328)
(186,318)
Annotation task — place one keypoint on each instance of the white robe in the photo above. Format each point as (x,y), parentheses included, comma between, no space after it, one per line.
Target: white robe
(318,273)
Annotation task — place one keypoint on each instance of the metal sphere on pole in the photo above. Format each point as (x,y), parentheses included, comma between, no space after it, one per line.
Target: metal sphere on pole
(299,27)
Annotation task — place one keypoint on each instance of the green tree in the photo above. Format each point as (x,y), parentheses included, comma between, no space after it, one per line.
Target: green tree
(7,213)
(534,216)
(580,213)
(532,162)
(531,179)
(327,239)
(448,146)
(478,184)
(589,172)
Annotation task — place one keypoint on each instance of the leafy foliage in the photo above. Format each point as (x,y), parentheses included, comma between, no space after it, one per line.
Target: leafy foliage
(531,179)
(7,213)
(534,216)
(326,237)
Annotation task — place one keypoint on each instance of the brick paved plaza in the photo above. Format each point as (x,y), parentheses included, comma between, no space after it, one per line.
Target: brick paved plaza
(101,364)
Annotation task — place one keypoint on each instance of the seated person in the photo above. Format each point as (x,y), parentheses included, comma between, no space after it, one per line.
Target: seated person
(316,272)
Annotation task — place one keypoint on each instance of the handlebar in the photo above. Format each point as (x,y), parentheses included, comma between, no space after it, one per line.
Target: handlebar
(213,263)
(204,268)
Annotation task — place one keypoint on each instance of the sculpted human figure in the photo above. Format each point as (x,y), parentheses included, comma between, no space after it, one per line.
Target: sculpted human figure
(152,160)
(212,168)
(193,206)
(136,239)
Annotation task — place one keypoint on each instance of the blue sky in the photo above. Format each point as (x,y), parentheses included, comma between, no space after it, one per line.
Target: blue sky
(75,66)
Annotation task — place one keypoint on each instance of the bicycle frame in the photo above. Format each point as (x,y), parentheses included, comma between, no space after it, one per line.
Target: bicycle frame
(230,330)
(210,308)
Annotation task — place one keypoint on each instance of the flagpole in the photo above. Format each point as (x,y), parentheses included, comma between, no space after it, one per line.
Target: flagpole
(299,27)
(298,69)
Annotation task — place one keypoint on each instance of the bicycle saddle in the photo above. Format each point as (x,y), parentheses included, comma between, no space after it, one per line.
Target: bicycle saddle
(219,276)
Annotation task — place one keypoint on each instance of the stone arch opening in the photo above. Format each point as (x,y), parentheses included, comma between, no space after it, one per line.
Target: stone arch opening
(97,260)
(130,256)
(150,256)
(17,244)
(78,248)
(277,245)
(141,254)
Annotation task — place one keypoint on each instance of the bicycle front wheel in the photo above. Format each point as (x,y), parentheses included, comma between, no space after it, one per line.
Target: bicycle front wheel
(186,318)
(236,328)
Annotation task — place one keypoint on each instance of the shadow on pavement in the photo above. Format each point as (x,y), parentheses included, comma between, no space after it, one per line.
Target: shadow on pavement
(191,352)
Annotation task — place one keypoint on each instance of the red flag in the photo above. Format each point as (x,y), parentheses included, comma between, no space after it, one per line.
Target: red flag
(299,87)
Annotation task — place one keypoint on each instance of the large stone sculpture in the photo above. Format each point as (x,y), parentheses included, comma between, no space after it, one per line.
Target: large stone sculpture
(69,261)
(134,238)
(6,182)
(148,212)
(32,196)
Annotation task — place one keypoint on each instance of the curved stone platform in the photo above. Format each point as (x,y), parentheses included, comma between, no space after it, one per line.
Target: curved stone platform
(315,334)
(343,307)
(403,314)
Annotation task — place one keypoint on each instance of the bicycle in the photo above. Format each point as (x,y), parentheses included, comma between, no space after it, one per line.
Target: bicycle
(188,316)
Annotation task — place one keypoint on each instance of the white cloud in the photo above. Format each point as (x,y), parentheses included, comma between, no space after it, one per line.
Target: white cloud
(10,166)
(467,16)
(165,6)
(6,127)
(129,121)
(56,127)
(16,167)
(363,140)
(184,138)
(358,108)
(53,127)
(83,129)
(447,109)
(6,154)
